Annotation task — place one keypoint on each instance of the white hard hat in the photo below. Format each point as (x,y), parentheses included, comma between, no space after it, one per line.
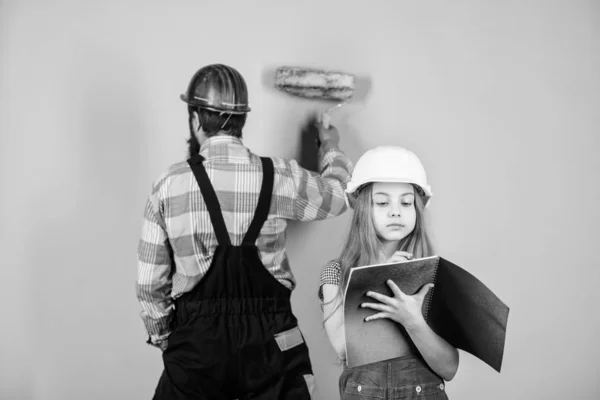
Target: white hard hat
(388,164)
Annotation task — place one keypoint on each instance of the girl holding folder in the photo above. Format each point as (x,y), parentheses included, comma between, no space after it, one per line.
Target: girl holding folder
(389,193)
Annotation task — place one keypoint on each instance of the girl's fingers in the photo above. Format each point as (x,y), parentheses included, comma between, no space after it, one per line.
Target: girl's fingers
(404,254)
(375,306)
(381,297)
(397,292)
(377,316)
(423,292)
(400,256)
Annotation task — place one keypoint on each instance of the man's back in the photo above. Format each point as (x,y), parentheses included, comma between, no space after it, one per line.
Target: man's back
(178,243)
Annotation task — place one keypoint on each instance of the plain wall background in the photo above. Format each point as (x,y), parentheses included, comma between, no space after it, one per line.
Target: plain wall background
(501,100)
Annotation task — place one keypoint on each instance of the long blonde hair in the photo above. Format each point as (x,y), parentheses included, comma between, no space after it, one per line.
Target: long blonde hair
(363,247)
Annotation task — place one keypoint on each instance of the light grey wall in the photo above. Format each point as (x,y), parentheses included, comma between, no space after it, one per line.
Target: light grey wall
(501,100)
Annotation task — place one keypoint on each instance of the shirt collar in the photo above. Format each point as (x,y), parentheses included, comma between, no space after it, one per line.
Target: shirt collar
(220,140)
(222,147)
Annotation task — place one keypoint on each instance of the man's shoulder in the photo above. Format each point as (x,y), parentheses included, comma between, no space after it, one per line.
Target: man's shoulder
(283,164)
(171,172)
(277,160)
(181,167)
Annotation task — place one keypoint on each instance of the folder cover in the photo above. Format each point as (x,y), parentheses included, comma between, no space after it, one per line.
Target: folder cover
(459,308)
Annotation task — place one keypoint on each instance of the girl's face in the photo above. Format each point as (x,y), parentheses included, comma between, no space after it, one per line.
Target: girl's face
(394,214)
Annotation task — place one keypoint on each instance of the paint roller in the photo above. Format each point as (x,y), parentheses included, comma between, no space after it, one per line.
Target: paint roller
(316,84)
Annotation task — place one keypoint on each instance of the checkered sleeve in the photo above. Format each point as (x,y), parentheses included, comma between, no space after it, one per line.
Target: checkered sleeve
(154,273)
(321,196)
(330,275)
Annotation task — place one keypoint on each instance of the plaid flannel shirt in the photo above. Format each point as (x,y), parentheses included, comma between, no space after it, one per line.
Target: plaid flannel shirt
(178,240)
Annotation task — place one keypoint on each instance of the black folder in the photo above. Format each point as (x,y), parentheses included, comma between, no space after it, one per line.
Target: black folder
(459,308)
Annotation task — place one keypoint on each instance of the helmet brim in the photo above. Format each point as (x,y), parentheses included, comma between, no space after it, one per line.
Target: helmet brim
(351,194)
(221,109)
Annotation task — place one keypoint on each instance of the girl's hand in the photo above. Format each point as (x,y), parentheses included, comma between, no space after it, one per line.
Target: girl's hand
(402,308)
(399,256)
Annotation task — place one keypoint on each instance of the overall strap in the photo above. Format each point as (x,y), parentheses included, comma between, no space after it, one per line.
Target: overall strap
(264,202)
(210,198)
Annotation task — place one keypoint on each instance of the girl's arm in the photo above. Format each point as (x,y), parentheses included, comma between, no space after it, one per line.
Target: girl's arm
(439,354)
(406,310)
(333,315)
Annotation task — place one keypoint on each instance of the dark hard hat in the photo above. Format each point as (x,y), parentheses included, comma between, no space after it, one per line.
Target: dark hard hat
(218,88)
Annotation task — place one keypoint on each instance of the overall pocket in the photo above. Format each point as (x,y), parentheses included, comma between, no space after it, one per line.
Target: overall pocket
(297,369)
(362,384)
(422,391)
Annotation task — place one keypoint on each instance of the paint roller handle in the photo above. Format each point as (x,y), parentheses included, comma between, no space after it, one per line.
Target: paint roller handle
(325,120)
(327,133)
(326,117)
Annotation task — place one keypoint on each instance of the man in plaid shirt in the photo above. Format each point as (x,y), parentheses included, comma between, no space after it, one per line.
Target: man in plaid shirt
(181,271)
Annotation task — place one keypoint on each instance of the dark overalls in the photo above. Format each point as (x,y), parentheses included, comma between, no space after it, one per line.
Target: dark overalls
(234,335)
